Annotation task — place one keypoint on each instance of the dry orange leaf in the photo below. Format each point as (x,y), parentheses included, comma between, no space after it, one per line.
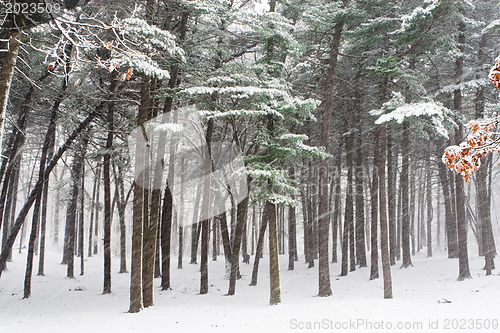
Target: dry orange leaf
(51,66)
(127,76)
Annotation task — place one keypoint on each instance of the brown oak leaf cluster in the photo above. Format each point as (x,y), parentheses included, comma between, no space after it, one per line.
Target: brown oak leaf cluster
(495,73)
(466,157)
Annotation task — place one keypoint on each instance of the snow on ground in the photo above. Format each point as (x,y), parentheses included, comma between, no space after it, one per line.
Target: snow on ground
(66,305)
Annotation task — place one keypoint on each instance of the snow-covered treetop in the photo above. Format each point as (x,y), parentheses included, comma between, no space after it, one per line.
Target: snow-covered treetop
(141,46)
(151,38)
(493,26)
(419,13)
(396,110)
(323,16)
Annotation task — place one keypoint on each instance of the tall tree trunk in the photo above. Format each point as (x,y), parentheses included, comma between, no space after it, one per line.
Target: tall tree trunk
(323,200)
(450,220)
(81,218)
(106,167)
(463,257)
(215,227)
(37,188)
(438,218)
(360,202)
(138,216)
(404,183)
(206,204)
(11,203)
(9,40)
(374,274)
(391,196)
(181,219)
(292,231)
(71,213)
(168,204)
(226,241)
(309,229)
(241,217)
(122,205)
(428,196)
(15,187)
(349,209)
(44,203)
(483,202)
(260,246)
(399,222)
(337,204)
(384,237)
(10,189)
(150,227)
(96,221)
(136,260)
(93,205)
(195,228)
(274,284)
(48,140)
(166,234)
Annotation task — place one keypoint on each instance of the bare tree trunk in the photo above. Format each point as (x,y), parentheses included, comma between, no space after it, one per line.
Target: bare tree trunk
(96,221)
(205,224)
(260,247)
(122,205)
(374,274)
(241,211)
(324,202)
(15,188)
(48,140)
(10,186)
(429,206)
(37,188)
(384,237)
(421,211)
(136,260)
(166,234)
(391,196)
(450,220)
(139,217)
(150,227)
(10,167)
(292,231)
(275,293)
(349,210)
(106,167)
(92,210)
(168,204)
(309,228)
(43,216)
(81,218)
(412,207)
(483,200)
(215,227)
(360,203)
(337,204)
(404,183)
(463,257)
(9,40)
(438,218)
(71,212)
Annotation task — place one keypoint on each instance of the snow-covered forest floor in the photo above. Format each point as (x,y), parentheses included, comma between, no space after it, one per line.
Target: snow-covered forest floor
(66,305)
